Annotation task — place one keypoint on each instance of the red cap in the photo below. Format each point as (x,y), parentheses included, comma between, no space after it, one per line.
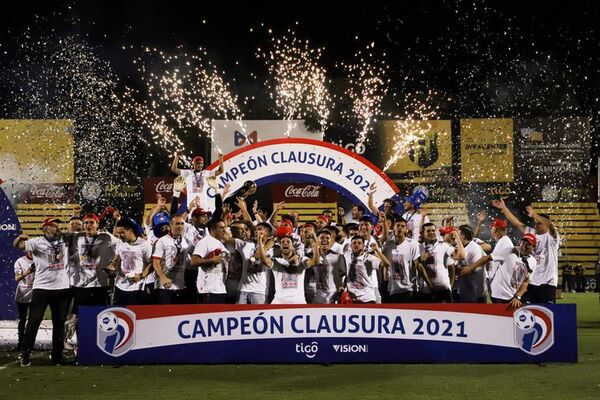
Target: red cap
(445,230)
(198,158)
(49,220)
(286,222)
(323,218)
(91,216)
(307,224)
(200,211)
(499,223)
(530,237)
(283,231)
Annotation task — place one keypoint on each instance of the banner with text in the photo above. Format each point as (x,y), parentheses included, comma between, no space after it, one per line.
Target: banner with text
(486,150)
(328,333)
(555,155)
(417,151)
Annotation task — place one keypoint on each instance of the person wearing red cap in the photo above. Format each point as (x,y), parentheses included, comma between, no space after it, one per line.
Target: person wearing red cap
(542,288)
(499,229)
(321,222)
(511,279)
(50,286)
(197,178)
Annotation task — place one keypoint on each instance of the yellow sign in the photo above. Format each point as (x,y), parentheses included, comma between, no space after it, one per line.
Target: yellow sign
(36,151)
(418,150)
(486,149)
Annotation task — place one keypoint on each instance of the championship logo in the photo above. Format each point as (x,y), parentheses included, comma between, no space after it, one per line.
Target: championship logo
(240,139)
(534,333)
(424,151)
(115,331)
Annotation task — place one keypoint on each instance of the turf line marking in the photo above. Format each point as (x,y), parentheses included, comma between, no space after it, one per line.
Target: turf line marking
(7,365)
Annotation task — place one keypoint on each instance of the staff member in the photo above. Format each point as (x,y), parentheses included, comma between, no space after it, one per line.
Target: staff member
(50,286)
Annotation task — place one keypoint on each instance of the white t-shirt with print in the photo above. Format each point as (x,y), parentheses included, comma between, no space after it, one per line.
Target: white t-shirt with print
(402,258)
(51,263)
(197,186)
(93,254)
(24,289)
(211,279)
(289,287)
(134,258)
(171,252)
(358,280)
(546,256)
(437,269)
(511,273)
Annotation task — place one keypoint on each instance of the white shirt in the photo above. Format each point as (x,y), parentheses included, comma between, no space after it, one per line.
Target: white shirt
(197,186)
(359,276)
(413,223)
(93,254)
(437,269)
(511,273)
(546,256)
(402,258)
(289,287)
(134,258)
(51,263)
(328,276)
(503,245)
(211,278)
(474,283)
(171,253)
(24,289)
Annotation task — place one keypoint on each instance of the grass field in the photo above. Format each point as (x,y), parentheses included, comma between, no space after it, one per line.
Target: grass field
(366,381)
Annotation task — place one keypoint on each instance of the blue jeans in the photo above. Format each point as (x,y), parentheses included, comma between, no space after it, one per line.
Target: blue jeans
(252,298)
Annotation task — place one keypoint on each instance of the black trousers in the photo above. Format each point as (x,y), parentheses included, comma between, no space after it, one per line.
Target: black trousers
(94,296)
(212,298)
(401,297)
(128,298)
(58,300)
(166,296)
(22,308)
(540,294)
(441,296)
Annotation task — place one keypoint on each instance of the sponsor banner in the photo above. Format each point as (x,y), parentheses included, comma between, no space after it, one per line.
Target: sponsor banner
(303,193)
(417,151)
(486,150)
(47,193)
(304,160)
(231,135)
(36,151)
(555,155)
(155,185)
(327,333)
(9,230)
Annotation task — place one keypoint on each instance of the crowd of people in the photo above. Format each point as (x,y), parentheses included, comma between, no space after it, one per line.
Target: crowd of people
(251,255)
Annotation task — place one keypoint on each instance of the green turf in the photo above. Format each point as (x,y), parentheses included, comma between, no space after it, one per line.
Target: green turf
(367,381)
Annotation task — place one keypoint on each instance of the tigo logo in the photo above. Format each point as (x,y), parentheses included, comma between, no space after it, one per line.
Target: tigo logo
(310,350)
(239,139)
(115,331)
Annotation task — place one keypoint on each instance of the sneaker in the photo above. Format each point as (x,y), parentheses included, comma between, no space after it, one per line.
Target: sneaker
(25,362)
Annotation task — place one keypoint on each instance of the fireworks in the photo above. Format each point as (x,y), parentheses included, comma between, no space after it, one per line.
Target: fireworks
(298,83)
(367,86)
(182,92)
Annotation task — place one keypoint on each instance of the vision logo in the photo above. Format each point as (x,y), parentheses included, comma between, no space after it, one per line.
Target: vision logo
(115,331)
(309,350)
(350,348)
(534,332)
(239,139)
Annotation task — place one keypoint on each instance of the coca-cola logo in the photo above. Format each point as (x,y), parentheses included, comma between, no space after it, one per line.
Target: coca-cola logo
(164,187)
(308,191)
(47,192)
